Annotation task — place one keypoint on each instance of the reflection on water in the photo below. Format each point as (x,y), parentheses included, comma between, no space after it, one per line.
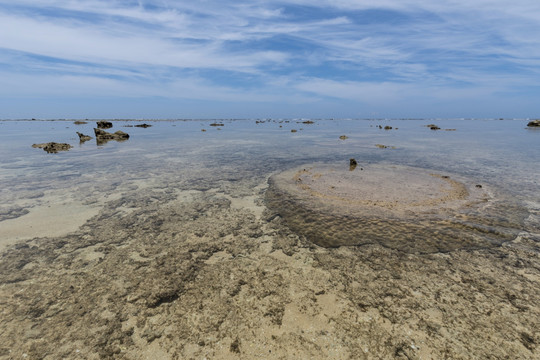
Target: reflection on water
(241,154)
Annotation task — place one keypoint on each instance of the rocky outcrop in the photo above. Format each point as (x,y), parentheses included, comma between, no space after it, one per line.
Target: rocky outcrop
(534,123)
(104,124)
(53,147)
(103,136)
(83,137)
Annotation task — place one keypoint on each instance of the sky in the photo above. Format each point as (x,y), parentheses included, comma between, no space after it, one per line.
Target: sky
(269,59)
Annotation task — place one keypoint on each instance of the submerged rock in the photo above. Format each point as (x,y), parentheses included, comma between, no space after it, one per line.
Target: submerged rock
(80,122)
(103,136)
(404,208)
(83,137)
(53,147)
(534,123)
(104,124)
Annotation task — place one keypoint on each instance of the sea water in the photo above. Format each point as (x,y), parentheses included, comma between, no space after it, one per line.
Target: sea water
(44,194)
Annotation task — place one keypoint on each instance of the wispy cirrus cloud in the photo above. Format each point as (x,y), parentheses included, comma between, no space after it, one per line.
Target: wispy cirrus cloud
(290,51)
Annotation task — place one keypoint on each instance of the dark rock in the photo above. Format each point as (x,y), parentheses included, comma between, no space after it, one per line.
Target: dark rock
(52,147)
(435,127)
(307,122)
(104,124)
(534,123)
(293,130)
(80,122)
(103,136)
(143,125)
(217,124)
(83,137)
(387,127)
(343,137)
(352,164)
(235,346)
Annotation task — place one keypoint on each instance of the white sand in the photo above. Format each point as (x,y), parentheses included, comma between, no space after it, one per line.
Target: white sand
(45,221)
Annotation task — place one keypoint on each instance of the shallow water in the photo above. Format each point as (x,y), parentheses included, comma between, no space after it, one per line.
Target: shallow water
(56,193)
(167,246)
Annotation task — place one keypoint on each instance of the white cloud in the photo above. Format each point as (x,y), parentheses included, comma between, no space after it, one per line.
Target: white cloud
(455,48)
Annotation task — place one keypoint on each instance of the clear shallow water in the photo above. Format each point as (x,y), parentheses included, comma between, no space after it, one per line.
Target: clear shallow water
(242,154)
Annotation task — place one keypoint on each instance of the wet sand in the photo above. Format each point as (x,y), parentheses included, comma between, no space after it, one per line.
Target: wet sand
(191,263)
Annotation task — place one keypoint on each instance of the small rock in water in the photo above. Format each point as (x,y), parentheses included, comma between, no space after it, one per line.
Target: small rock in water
(217,124)
(83,137)
(534,123)
(387,127)
(53,147)
(80,122)
(103,136)
(143,125)
(343,137)
(293,130)
(352,164)
(104,124)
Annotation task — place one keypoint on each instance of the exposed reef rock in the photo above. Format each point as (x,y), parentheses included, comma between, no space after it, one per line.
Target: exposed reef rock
(53,147)
(352,164)
(534,123)
(217,124)
(343,137)
(381,146)
(393,206)
(103,136)
(80,122)
(104,125)
(143,125)
(83,137)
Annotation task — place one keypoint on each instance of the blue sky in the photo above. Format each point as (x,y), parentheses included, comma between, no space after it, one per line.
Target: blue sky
(291,58)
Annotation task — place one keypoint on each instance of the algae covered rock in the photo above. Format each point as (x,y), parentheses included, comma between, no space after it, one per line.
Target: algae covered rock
(53,147)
